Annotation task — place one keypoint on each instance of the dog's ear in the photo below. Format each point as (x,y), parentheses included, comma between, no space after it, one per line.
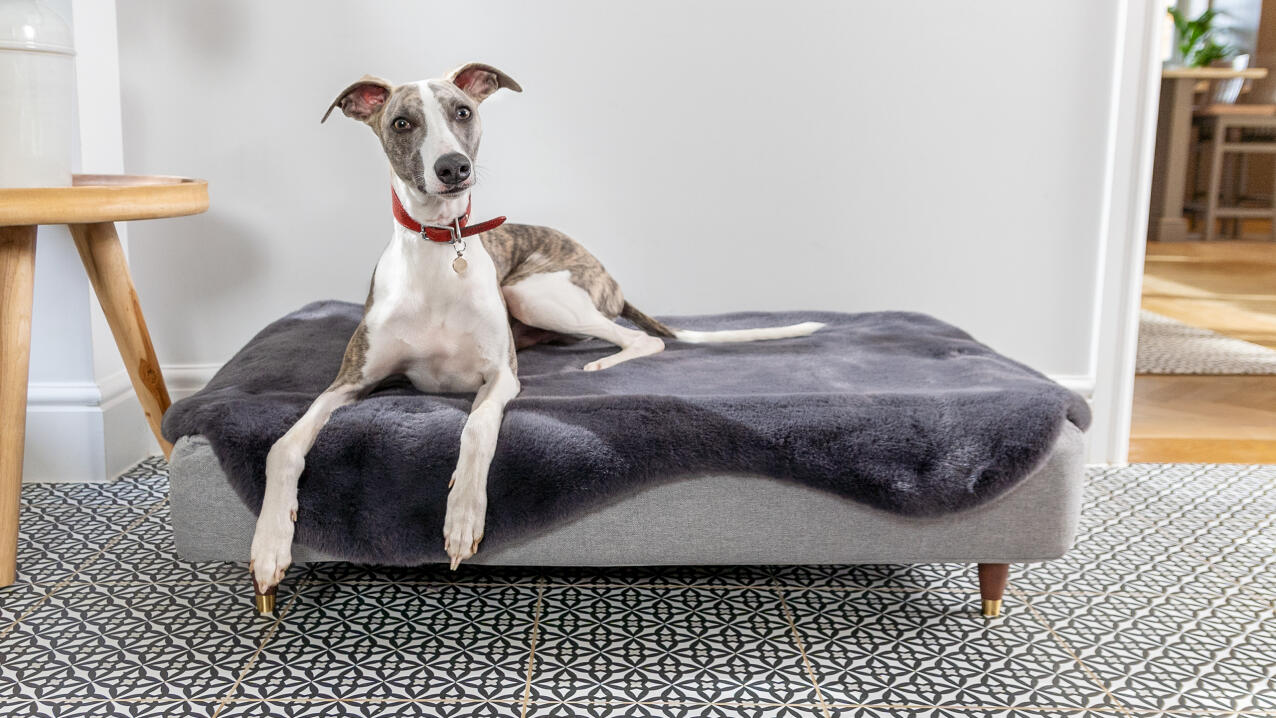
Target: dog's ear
(362,99)
(479,80)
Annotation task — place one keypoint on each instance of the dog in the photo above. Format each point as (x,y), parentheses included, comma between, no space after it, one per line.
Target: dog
(449,303)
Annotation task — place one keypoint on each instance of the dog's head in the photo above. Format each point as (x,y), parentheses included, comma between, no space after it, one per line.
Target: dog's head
(430,129)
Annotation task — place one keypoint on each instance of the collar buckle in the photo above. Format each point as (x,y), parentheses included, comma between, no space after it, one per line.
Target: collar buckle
(454,231)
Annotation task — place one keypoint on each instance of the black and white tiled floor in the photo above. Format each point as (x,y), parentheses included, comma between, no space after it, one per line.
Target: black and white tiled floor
(1167,606)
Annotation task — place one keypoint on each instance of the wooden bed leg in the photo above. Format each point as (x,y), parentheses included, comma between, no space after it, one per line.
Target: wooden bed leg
(992,584)
(264,601)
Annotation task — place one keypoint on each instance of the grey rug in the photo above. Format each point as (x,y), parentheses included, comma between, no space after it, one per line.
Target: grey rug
(1168,346)
(897,410)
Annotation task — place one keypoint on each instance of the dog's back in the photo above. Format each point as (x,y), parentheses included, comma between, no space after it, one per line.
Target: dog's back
(523,250)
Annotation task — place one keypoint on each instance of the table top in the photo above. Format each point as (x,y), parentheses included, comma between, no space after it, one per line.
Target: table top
(104,198)
(1213,73)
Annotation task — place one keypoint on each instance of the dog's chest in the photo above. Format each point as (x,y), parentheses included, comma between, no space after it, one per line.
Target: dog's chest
(443,330)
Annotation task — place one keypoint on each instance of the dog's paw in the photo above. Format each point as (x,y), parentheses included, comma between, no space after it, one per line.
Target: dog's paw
(463,524)
(272,549)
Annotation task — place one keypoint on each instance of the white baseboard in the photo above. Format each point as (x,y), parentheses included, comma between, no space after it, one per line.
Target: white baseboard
(126,435)
(64,443)
(186,379)
(64,433)
(94,432)
(1081,384)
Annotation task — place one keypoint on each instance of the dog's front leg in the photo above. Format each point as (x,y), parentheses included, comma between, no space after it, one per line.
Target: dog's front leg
(272,539)
(467,501)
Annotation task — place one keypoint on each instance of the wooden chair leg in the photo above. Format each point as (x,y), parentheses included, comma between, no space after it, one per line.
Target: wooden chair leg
(17,281)
(1272,228)
(992,584)
(103,259)
(1227,198)
(1213,185)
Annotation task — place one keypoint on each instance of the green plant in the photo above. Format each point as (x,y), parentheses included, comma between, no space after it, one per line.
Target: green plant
(1197,44)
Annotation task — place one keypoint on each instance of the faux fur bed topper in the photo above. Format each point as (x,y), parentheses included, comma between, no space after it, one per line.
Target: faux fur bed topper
(896,410)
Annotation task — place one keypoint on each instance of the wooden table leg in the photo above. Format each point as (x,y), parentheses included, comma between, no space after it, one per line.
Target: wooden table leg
(104,260)
(17,275)
(1169,169)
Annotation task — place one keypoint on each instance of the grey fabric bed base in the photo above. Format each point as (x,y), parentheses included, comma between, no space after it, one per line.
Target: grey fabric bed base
(708,520)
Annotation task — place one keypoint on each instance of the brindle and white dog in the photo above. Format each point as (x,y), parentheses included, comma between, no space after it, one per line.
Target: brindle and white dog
(450,330)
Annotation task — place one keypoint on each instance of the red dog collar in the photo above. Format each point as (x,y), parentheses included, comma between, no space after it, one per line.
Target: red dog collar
(439,233)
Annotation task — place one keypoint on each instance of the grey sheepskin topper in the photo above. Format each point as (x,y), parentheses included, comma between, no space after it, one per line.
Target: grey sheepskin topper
(896,410)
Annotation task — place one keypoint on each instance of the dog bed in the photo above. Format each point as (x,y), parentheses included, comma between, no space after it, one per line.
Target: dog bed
(894,411)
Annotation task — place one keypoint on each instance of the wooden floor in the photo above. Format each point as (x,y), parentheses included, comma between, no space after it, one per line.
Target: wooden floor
(1229,287)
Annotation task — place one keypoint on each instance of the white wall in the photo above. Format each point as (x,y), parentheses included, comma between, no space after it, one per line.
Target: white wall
(61,350)
(64,424)
(951,158)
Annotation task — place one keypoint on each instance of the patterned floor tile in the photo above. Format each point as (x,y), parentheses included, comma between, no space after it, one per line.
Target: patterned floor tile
(110,709)
(16,600)
(955,577)
(668,709)
(1169,599)
(1173,652)
(932,649)
(964,712)
(1263,581)
(1192,492)
(141,485)
(473,574)
(120,642)
(1251,562)
(1156,555)
(371,709)
(55,539)
(621,576)
(650,643)
(465,574)
(146,553)
(398,641)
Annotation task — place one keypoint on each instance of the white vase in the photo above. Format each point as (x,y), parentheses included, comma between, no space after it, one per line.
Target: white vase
(37,85)
(1226,92)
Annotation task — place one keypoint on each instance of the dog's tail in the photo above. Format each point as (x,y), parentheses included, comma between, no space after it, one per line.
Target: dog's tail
(658,329)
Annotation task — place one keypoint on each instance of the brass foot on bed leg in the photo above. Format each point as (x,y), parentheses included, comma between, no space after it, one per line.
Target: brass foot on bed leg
(992,584)
(264,600)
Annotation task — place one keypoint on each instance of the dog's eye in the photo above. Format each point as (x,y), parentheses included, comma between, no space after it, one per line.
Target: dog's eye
(463,113)
(401,124)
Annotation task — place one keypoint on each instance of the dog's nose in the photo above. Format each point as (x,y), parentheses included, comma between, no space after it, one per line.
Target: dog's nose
(452,168)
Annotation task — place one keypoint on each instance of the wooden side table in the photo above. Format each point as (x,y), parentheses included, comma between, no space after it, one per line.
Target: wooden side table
(90,207)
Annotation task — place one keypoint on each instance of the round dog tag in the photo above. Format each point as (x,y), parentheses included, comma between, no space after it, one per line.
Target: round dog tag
(459,264)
